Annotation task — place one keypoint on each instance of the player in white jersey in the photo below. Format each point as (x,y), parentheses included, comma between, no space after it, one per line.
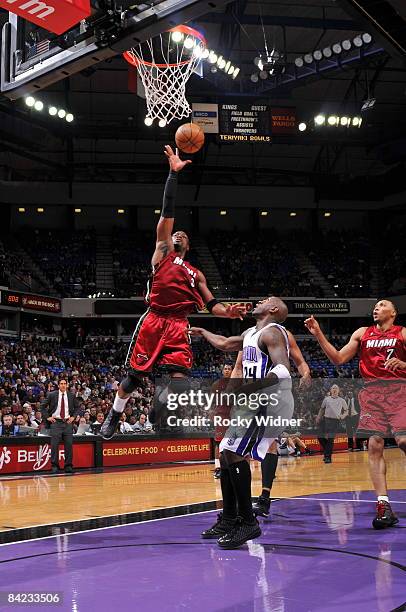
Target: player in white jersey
(267,368)
(268,466)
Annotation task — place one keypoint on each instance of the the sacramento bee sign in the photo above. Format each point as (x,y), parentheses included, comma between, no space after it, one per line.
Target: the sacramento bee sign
(316,307)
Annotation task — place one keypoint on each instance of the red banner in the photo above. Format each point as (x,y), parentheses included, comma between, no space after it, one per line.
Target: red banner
(37,458)
(283,120)
(57,16)
(30,301)
(155,451)
(340,442)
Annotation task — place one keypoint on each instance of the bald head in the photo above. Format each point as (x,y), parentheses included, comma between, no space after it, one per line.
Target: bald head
(273,307)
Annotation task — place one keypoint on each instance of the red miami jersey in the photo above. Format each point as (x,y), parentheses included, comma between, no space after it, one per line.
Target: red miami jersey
(174,288)
(379,346)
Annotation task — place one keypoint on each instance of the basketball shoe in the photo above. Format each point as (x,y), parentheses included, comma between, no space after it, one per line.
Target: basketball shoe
(385,517)
(261,506)
(110,424)
(221,527)
(241,533)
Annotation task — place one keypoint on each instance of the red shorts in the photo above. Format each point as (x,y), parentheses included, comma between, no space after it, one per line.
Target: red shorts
(383,409)
(160,341)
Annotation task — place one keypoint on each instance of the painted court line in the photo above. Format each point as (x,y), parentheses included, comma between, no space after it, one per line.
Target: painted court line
(337,499)
(102,516)
(70,533)
(369,501)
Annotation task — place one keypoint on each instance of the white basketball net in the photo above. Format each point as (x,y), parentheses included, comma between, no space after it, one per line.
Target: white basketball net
(165,84)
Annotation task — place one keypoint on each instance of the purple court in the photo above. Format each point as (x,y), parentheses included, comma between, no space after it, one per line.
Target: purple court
(317,553)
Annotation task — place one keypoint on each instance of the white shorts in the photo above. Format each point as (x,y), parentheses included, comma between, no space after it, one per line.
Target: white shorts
(253,438)
(247,446)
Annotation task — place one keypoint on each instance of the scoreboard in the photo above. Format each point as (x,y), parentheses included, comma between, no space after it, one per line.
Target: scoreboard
(253,122)
(245,123)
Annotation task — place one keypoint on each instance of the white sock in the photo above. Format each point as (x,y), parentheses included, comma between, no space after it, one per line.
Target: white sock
(119,404)
(217,463)
(383,498)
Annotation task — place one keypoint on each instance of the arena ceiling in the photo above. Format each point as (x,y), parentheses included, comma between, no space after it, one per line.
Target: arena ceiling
(109,142)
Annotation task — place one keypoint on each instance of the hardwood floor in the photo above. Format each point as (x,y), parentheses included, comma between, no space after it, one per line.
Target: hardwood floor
(43,500)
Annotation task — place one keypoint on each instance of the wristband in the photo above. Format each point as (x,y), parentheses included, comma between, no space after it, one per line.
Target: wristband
(281,371)
(211,304)
(168,205)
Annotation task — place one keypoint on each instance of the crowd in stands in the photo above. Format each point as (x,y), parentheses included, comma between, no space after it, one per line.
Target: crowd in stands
(44,327)
(30,368)
(260,263)
(67,258)
(266,262)
(251,263)
(11,265)
(393,267)
(343,258)
(132,254)
(321,367)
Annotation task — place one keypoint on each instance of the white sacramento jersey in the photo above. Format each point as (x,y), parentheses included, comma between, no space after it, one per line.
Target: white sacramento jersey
(255,438)
(256,363)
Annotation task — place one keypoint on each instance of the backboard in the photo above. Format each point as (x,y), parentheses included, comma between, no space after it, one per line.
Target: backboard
(33,58)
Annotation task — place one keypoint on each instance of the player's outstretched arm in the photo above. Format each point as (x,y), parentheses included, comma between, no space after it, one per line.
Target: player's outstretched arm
(231,311)
(164,244)
(299,361)
(338,357)
(233,343)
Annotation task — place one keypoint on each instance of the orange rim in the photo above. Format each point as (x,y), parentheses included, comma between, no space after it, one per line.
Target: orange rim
(134,61)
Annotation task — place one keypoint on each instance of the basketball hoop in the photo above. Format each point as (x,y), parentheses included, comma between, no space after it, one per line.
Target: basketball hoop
(165,64)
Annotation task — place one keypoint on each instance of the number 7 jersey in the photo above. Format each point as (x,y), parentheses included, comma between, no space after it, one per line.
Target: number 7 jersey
(377,347)
(256,363)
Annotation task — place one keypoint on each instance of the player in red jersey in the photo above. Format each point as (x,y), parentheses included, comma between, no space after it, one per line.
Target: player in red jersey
(382,352)
(178,289)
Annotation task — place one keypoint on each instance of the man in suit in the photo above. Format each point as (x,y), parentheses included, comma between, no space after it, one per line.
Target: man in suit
(59,409)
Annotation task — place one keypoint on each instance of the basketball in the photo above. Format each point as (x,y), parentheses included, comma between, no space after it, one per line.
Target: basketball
(189,138)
